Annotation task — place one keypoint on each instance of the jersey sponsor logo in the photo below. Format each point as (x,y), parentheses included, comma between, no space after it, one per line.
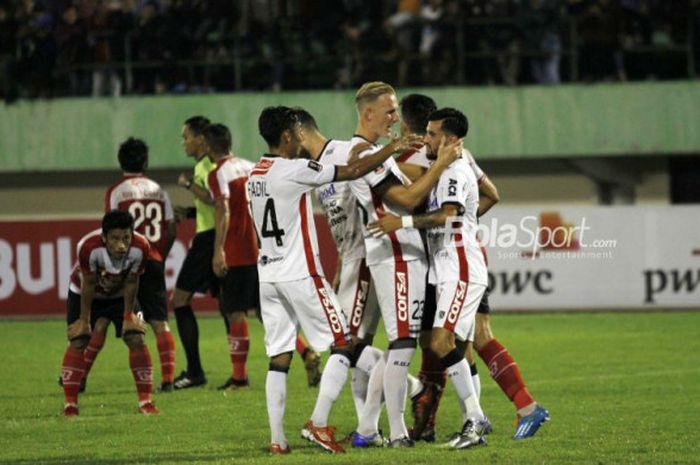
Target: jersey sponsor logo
(452,188)
(402,296)
(328,307)
(323,194)
(314,165)
(265,260)
(457,302)
(360,302)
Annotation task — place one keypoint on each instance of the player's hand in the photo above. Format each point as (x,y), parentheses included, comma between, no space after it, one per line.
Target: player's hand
(384,225)
(449,152)
(133,322)
(184,180)
(218,263)
(79,328)
(407,142)
(357,149)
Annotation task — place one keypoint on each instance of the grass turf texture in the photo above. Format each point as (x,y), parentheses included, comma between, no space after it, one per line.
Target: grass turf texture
(621,388)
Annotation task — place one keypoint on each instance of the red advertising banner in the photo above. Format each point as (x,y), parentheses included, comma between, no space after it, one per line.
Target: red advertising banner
(36,258)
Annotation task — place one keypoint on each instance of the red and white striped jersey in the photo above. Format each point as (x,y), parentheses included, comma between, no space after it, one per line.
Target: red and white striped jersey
(229,180)
(340,205)
(400,246)
(150,206)
(419,156)
(280,200)
(455,255)
(111,273)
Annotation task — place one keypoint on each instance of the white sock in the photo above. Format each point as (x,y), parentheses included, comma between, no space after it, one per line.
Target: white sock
(461,377)
(368,358)
(476,381)
(415,386)
(395,389)
(276,395)
(369,419)
(335,373)
(358,386)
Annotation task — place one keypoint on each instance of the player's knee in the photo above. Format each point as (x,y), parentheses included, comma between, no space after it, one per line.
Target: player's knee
(483,333)
(466,348)
(134,339)
(236,317)
(79,343)
(281,362)
(181,298)
(160,326)
(441,344)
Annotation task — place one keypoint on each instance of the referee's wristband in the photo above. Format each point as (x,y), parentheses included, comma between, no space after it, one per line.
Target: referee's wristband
(407,221)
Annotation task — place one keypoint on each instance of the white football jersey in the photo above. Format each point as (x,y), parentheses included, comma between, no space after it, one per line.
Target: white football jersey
(419,156)
(150,206)
(455,255)
(280,198)
(402,245)
(340,205)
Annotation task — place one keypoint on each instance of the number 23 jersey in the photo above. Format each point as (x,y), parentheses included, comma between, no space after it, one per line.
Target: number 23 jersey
(280,198)
(150,206)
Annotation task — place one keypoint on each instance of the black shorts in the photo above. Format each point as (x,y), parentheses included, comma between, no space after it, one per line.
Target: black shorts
(484,304)
(431,306)
(240,289)
(197,274)
(151,295)
(112,309)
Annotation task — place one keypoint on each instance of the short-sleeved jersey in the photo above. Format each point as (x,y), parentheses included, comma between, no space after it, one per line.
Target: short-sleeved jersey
(400,246)
(340,205)
(229,181)
(455,255)
(111,273)
(206,214)
(150,206)
(279,191)
(419,156)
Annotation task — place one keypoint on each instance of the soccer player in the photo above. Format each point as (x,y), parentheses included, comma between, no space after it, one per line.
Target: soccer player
(150,206)
(235,247)
(415,110)
(457,267)
(196,274)
(103,289)
(397,261)
(293,291)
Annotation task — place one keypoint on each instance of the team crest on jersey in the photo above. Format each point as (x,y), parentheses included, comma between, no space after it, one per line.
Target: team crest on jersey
(315,166)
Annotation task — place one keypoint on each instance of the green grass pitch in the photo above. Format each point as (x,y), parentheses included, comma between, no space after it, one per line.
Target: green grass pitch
(620,388)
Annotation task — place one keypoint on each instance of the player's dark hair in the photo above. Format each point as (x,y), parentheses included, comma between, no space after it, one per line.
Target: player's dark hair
(415,110)
(218,138)
(453,121)
(305,118)
(117,219)
(133,155)
(197,124)
(274,121)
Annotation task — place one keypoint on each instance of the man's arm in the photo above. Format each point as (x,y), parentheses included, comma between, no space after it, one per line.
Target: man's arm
(488,195)
(186,180)
(81,327)
(412,172)
(390,222)
(409,197)
(170,233)
(359,167)
(132,323)
(218,262)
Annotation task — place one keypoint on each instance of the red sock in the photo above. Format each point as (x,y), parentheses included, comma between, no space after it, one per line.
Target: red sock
(302,346)
(239,343)
(166,351)
(504,371)
(72,373)
(97,341)
(142,369)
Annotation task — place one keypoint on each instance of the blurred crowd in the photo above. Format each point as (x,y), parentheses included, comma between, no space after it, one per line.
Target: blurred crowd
(54,48)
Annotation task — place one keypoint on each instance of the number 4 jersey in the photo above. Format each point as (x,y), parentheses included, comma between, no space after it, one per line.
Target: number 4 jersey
(280,199)
(150,206)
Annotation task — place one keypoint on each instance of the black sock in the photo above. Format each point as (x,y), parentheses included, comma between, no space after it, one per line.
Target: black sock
(189,336)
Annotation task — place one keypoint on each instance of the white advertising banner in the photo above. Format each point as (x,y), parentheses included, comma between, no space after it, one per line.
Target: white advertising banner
(593,257)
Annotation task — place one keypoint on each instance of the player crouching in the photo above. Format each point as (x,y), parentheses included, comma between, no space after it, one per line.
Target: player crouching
(103,289)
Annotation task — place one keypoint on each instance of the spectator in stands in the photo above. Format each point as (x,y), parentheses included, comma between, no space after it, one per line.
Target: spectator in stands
(541,30)
(71,39)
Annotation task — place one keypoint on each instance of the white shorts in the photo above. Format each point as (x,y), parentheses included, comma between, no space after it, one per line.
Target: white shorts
(457,302)
(358,298)
(309,303)
(400,290)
